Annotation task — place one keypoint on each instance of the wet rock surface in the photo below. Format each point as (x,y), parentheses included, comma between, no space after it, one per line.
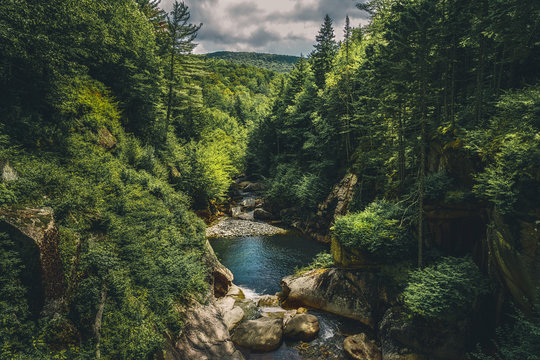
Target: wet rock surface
(264,334)
(303,327)
(359,347)
(238,228)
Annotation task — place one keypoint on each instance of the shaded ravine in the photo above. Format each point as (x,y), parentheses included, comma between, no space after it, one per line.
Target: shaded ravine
(259,263)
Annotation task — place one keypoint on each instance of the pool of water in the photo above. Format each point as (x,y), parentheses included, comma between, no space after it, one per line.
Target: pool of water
(258,264)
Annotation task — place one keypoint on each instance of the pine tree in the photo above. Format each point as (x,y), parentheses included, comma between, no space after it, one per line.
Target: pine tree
(324,53)
(181,35)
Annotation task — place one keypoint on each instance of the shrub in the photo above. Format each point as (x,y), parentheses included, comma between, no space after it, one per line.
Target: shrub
(322,260)
(446,289)
(378,231)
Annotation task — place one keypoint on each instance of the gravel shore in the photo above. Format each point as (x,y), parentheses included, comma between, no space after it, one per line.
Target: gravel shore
(236,228)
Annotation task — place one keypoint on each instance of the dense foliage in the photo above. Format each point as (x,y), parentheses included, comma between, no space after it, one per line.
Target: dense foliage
(379,230)
(448,289)
(110,121)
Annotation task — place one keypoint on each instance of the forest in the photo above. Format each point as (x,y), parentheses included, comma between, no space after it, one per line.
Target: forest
(109,122)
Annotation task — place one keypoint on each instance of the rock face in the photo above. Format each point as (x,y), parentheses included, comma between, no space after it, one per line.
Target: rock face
(40,227)
(303,327)
(204,337)
(359,347)
(404,338)
(221,276)
(352,294)
(264,334)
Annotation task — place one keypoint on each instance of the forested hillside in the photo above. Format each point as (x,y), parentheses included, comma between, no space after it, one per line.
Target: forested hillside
(112,132)
(434,109)
(277,63)
(413,146)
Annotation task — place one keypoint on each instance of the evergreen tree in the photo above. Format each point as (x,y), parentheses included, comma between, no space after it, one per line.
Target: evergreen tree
(324,53)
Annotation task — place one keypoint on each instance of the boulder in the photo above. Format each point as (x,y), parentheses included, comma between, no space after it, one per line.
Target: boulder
(236,211)
(359,347)
(261,214)
(268,300)
(250,308)
(204,337)
(233,317)
(235,292)
(352,294)
(303,327)
(264,334)
(106,139)
(350,258)
(246,216)
(248,203)
(403,337)
(225,304)
(221,276)
(254,187)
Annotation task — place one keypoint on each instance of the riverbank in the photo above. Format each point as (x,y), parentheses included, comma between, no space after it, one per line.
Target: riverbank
(228,227)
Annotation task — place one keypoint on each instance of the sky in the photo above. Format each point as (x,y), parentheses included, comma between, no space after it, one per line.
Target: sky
(284,27)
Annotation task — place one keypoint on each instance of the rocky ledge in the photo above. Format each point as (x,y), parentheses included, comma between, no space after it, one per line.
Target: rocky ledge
(237,228)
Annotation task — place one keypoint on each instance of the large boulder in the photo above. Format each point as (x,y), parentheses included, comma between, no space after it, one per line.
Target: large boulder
(264,334)
(233,317)
(248,203)
(221,276)
(359,347)
(352,294)
(303,327)
(261,214)
(204,337)
(268,300)
(403,337)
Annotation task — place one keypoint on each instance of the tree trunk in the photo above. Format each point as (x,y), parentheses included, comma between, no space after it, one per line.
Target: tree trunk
(99,318)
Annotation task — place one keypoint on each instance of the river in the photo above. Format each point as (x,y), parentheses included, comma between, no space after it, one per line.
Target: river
(259,263)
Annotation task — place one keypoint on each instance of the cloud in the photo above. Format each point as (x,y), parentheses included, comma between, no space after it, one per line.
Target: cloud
(276,26)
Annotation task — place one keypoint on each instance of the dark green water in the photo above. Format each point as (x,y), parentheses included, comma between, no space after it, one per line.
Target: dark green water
(259,263)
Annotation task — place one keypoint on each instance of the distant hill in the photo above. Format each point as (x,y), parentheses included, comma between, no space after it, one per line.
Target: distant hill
(278,63)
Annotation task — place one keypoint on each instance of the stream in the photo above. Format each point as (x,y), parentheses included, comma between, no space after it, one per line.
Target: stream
(258,264)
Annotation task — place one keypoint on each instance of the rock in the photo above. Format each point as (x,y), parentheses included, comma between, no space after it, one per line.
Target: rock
(350,258)
(303,327)
(234,228)
(359,347)
(236,211)
(235,292)
(403,337)
(301,310)
(106,139)
(233,317)
(225,304)
(40,238)
(221,276)
(261,214)
(248,203)
(7,173)
(250,308)
(352,294)
(246,216)
(264,334)
(204,337)
(268,300)
(254,187)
